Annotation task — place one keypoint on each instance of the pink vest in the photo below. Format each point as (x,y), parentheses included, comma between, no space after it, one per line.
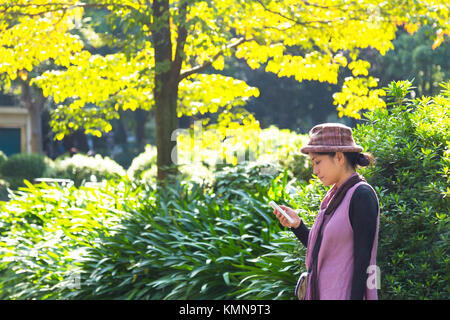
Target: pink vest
(335,259)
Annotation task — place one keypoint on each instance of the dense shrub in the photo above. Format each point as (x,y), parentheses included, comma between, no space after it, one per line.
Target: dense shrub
(299,165)
(125,158)
(251,177)
(144,168)
(274,147)
(186,242)
(4,185)
(45,229)
(3,158)
(22,166)
(241,144)
(282,146)
(143,162)
(411,144)
(81,168)
(196,172)
(181,242)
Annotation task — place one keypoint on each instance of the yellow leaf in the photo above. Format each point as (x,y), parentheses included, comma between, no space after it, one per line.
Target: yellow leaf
(437,42)
(23,75)
(108,127)
(341,60)
(411,28)
(219,63)
(97,133)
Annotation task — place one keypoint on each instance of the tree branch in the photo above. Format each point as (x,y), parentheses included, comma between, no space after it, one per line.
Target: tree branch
(208,63)
(305,23)
(320,6)
(181,40)
(50,7)
(280,14)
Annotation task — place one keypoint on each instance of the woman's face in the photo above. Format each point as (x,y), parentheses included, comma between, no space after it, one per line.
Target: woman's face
(328,169)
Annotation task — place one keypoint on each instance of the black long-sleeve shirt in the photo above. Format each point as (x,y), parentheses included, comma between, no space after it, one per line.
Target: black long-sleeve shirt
(363,212)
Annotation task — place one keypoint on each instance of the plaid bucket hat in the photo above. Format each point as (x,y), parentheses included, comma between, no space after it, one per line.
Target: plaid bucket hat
(331,137)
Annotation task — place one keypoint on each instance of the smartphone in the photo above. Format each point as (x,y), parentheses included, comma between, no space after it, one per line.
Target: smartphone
(277,207)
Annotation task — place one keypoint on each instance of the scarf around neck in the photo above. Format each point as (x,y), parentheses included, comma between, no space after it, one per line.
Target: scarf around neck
(342,190)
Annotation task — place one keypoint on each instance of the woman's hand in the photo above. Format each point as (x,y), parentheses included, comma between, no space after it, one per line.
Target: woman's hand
(291,213)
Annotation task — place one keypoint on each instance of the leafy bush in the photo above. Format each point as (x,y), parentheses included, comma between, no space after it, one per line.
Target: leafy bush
(143,162)
(22,166)
(298,164)
(4,185)
(81,167)
(251,177)
(46,229)
(283,146)
(144,168)
(196,172)
(411,145)
(175,243)
(125,158)
(185,243)
(3,158)
(216,149)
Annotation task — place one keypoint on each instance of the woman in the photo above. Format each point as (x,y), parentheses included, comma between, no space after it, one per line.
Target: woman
(342,243)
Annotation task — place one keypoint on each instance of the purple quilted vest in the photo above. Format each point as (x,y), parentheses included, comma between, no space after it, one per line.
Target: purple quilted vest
(335,259)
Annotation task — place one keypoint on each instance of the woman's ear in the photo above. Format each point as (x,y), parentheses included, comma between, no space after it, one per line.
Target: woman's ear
(340,158)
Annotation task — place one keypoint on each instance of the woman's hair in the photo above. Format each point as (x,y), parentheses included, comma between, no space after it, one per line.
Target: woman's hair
(354,159)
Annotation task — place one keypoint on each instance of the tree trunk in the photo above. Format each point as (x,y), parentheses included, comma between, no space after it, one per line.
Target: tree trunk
(166,124)
(165,90)
(122,136)
(141,119)
(34,108)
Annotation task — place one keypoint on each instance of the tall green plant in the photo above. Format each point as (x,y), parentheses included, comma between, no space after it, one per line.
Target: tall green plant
(411,145)
(45,229)
(186,242)
(137,242)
